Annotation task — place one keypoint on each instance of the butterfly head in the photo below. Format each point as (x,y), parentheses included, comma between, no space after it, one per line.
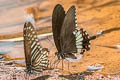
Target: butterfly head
(58,55)
(29,69)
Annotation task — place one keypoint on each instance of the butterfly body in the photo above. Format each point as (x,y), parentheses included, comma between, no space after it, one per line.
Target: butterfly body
(62,55)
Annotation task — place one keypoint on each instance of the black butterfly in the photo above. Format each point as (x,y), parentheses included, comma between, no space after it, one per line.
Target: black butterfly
(67,37)
(35,55)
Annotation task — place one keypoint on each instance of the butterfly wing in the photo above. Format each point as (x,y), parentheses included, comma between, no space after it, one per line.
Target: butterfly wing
(67,38)
(57,21)
(41,60)
(33,51)
(82,40)
(27,45)
(86,41)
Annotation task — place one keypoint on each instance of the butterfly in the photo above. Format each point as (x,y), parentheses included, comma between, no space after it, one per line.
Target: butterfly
(68,39)
(35,55)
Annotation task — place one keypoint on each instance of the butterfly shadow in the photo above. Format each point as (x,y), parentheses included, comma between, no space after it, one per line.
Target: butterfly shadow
(77,76)
(104,32)
(42,77)
(112,47)
(111,30)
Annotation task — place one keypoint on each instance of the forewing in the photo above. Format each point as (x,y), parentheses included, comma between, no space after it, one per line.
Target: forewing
(57,21)
(67,37)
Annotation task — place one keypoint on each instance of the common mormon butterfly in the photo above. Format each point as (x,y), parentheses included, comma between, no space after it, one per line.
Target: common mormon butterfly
(68,39)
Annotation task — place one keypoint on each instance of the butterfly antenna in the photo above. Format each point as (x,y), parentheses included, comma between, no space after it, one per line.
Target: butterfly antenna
(50,42)
(56,63)
(52,61)
(51,47)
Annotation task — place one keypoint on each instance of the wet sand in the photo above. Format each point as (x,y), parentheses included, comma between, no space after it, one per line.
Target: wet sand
(93,16)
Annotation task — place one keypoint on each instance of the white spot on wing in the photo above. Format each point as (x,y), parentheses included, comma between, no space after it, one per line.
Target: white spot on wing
(79,46)
(33,44)
(81,39)
(79,43)
(31,29)
(78,33)
(78,37)
(33,32)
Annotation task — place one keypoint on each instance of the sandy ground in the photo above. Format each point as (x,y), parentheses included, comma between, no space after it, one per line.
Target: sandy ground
(93,16)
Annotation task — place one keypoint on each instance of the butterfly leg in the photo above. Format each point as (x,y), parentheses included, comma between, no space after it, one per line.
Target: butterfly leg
(26,75)
(51,65)
(68,65)
(62,64)
(57,63)
(50,42)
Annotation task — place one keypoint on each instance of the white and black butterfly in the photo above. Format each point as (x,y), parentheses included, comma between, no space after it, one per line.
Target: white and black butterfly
(35,55)
(68,39)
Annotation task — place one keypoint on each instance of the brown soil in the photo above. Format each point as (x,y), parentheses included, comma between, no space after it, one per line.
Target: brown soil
(93,16)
